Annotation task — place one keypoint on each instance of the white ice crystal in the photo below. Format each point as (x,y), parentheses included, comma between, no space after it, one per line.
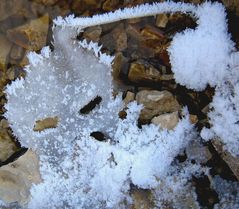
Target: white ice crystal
(224,116)
(77,170)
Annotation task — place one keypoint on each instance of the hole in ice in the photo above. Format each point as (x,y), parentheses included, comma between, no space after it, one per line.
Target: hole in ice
(91,105)
(46,123)
(98,135)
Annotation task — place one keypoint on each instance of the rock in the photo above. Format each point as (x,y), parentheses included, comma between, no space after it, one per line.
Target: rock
(17,177)
(14,72)
(93,33)
(198,152)
(231,161)
(46,123)
(16,54)
(156,103)
(120,66)
(110,5)
(141,199)
(120,37)
(161,20)
(139,72)
(31,36)
(129,97)
(232,5)
(7,145)
(46,2)
(193,119)
(4,52)
(12,7)
(166,120)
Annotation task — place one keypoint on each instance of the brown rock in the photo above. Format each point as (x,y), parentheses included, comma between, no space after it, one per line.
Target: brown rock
(4,52)
(231,161)
(193,119)
(166,120)
(46,2)
(141,199)
(120,37)
(13,7)
(162,20)
(139,72)
(156,103)
(16,54)
(31,36)
(46,123)
(93,33)
(17,177)
(151,32)
(232,5)
(110,5)
(130,96)
(120,66)
(7,145)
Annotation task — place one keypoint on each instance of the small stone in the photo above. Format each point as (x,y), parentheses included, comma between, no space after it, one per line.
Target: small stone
(156,103)
(31,36)
(150,32)
(130,96)
(167,77)
(193,119)
(46,2)
(231,161)
(141,199)
(110,5)
(7,145)
(46,123)
(12,7)
(4,52)
(93,33)
(162,20)
(120,37)
(120,66)
(166,120)
(17,177)
(17,52)
(198,152)
(139,72)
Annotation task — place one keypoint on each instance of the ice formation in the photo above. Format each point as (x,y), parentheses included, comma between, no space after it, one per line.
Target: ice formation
(77,170)
(224,116)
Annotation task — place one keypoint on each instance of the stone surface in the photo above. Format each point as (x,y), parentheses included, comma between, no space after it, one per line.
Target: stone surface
(7,145)
(17,177)
(166,120)
(156,103)
(16,53)
(120,66)
(4,52)
(46,123)
(46,2)
(232,5)
(130,96)
(198,152)
(162,20)
(93,33)
(139,72)
(31,36)
(12,7)
(231,161)
(141,199)
(110,5)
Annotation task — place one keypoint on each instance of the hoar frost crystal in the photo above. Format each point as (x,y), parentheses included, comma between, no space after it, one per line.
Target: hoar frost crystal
(77,170)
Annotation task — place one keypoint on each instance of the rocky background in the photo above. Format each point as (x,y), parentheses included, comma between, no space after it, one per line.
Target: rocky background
(141,69)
